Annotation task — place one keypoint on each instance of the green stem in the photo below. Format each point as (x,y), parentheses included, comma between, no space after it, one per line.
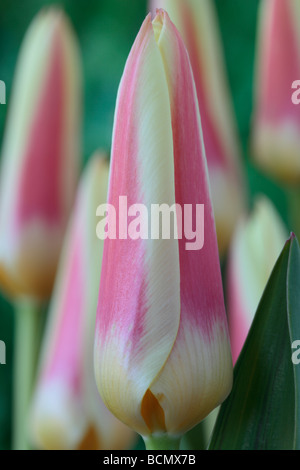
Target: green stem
(162,442)
(27,334)
(195,439)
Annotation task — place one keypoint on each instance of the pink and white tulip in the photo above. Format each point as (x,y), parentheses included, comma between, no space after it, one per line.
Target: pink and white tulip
(40,156)
(197,23)
(66,410)
(255,248)
(276,120)
(162,353)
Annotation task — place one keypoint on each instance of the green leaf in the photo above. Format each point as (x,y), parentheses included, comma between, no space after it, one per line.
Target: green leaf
(262,410)
(293,307)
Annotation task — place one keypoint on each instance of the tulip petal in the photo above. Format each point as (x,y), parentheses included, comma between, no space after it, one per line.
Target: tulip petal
(201,354)
(139,307)
(160,305)
(109,432)
(197,24)
(255,248)
(57,421)
(40,158)
(60,372)
(66,410)
(276,122)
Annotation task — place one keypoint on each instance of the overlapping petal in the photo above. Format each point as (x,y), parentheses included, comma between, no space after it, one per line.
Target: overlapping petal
(197,23)
(161,324)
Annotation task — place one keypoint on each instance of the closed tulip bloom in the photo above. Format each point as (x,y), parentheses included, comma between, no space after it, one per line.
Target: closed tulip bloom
(66,411)
(276,120)
(40,156)
(197,23)
(257,243)
(162,353)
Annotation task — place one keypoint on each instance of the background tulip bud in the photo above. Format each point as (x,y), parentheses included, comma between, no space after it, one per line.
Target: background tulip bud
(66,410)
(40,156)
(162,354)
(197,23)
(276,123)
(255,248)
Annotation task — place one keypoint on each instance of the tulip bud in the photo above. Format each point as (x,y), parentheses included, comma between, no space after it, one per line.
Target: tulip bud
(197,23)
(256,246)
(40,156)
(66,410)
(162,352)
(276,124)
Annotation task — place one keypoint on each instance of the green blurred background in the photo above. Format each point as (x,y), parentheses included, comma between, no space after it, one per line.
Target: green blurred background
(106,30)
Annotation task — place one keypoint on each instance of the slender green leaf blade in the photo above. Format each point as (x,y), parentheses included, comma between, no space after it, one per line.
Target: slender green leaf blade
(260,411)
(293,306)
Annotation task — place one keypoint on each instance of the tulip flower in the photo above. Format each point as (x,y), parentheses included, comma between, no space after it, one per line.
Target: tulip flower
(66,412)
(162,353)
(197,23)
(40,157)
(38,179)
(255,248)
(276,123)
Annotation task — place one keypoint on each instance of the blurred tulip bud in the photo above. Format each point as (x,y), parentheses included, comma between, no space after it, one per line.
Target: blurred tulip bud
(276,124)
(255,248)
(67,412)
(162,352)
(197,23)
(40,156)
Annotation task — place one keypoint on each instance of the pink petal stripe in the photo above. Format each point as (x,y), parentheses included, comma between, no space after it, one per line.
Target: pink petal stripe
(126,303)
(215,151)
(44,152)
(279,63)
(64,358)
(139,305)
(200,278)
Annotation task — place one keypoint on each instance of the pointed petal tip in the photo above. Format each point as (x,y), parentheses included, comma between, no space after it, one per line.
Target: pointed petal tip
(54,19)
(52,14)
(100,155)
(161,16)
(54,11)
(148,19)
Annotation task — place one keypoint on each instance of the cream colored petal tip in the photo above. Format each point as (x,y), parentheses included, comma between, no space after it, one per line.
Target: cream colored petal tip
(56,420)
